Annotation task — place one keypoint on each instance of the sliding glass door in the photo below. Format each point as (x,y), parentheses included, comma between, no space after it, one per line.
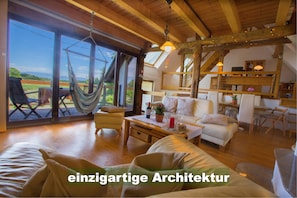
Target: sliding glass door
(39,63)
(126,84)
(31,52)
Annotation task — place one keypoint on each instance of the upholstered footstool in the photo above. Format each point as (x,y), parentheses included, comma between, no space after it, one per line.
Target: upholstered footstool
(110,117)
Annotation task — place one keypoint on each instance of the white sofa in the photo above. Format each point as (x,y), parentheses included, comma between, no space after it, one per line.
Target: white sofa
(219,129)
(19,162)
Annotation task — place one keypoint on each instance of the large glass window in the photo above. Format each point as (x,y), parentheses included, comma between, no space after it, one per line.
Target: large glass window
(127,81)
(38,62)
(79,59)
(88,62)
(110,56)
(31,52)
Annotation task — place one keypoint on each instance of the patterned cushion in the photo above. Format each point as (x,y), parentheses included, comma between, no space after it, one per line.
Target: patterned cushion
(185,106)
(170,104)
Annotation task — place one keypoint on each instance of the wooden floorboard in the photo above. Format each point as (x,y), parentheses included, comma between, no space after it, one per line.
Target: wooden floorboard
(105,148)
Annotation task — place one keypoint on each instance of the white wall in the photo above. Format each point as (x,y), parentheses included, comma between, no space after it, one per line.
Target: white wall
(234,58)
(237,58)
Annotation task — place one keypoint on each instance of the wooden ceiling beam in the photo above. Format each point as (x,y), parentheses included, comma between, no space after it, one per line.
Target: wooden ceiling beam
(211,62)
(150,18)
(186,13)
(64,17)
(276,41)
(263,34)
(116,19)
(231,14)
(282,12)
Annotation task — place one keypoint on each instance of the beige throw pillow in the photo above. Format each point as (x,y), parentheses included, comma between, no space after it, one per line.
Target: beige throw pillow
(80,165)
(151,164)
(57,183)
(215,119)
(34,185)
(112,109)
(170,104)
(40,183)
(185,106)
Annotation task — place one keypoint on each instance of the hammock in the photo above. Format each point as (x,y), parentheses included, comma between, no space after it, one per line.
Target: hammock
(84,102)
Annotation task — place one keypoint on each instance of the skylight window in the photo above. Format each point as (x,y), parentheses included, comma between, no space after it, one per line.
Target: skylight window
(152,57)
(155,59)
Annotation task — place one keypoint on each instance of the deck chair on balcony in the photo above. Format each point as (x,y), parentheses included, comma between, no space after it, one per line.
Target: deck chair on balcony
(20,99)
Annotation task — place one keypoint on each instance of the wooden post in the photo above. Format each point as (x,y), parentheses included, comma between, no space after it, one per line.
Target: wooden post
(196,71)
(138,80)
(278,70)
(182,66)
(3,71)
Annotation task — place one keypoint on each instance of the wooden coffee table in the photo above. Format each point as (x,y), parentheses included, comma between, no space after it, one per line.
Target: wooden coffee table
(148,130)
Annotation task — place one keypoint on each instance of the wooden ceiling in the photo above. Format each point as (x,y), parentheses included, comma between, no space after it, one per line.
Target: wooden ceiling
(142,22)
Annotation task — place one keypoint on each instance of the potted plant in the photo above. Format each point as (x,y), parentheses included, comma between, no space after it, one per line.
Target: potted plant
(234,99)
(160,112)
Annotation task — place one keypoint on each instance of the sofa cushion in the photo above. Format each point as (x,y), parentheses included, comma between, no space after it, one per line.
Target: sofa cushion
(165,163)
(201,107)
(185,106)
(218,134)
(170,104)
(189,119)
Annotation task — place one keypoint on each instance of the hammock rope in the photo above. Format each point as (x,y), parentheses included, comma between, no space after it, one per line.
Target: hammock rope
(85,102)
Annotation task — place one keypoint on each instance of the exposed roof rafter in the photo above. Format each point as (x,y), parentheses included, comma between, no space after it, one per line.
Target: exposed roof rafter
(231,14)
(183,10)
(116,19)
(151,19)
(282,12)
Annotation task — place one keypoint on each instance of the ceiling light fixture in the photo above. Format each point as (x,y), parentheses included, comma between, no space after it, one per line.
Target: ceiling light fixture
(258,67)
(168,45)
(220,64)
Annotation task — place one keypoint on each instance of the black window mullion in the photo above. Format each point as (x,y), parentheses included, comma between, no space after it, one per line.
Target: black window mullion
(56,76)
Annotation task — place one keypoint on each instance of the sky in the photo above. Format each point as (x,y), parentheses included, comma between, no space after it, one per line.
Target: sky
(31,51)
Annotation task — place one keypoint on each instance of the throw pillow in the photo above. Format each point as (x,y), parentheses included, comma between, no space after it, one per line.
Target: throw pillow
(112,109)
(215,119)
(170,104)
(33,186)
(77,164)
(151,165)
(185,106)
(41,181)
(57,183)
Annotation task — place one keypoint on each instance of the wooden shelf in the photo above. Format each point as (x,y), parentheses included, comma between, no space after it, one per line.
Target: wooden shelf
(287,90)
(250,64)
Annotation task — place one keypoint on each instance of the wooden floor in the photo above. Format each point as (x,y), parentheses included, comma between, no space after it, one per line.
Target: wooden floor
(104,149)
